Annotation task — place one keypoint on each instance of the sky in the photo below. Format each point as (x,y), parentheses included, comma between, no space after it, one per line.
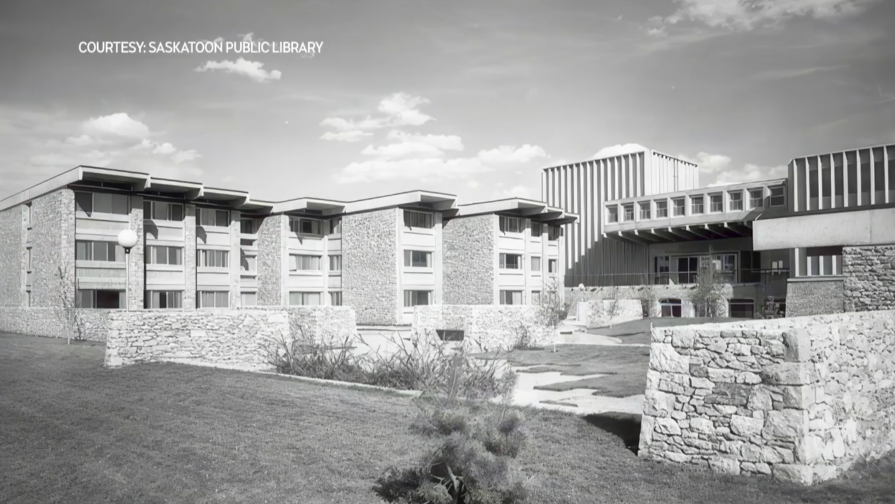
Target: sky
(471,98)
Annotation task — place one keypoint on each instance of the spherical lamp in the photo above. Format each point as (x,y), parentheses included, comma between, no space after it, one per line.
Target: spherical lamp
(127,239)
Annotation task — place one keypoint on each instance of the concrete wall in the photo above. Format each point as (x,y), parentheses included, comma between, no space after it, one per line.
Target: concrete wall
(846,227)
(490,326)
(814,296)
(50,322)
(869,277)
(597,313)
(799,398)
(470,270)
(370,266)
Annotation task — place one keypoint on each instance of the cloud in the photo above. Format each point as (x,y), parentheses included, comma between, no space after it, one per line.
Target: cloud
(345,136)
(472,184)
(251,69)
(510,154)
(788,73)
(618,150)
(402,149)
(717,169)
(743,15)
(119,125)
(444,142)
(518,191)
(400,109)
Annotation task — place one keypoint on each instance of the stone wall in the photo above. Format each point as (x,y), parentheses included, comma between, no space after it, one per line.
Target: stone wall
(44,321)
(814,296)
(598,313)
(52,247)
(12,250)
(271,254)
(491,326)
(469,256)
(801,399)
(323,323)
(370,266)
(869,277)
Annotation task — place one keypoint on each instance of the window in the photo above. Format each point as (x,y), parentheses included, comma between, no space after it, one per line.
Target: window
(28,298)
(510,297)
(678,206)
(162,210)
(755,198)
(422,220)
(105,203)
(298,262)
(736,200)
(417,259)
(510,261)
(213,258)
(28,251)
(661,267)
(27,215)
(511,225)
(778,197)
(552,266)
(661,209)
(305,226)
(778,266)
(629,213)
(247,262)
(612,216)
(335,226)
(164,255)
(687,269)
(696,205)
(535,297)
(536,229)
(213,218)
(304,298)
(104,299)
(554,232)
(160,300)
(335,298)
(248,299)
(716,202)
(210,299)
(741,308)
(644,210)
(98,251)
(247,226)
(822,261)
(536,263)
(417,298)
(335,263)
(670,307)
(750,268)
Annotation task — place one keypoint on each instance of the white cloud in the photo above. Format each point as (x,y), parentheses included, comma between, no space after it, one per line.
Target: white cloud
(618,150)
(400,109)
(119,124)
(717,169)
(402,149)
(510,154)
(741,15)
(345,136)
(444,142)
(515,192)
(184,156)
(242,66)
(472,184)
(708,163)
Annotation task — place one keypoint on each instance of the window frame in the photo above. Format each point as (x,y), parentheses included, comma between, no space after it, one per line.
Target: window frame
(218,295)
(503,262)
(697,202)
(410,297)
(661,209)
(216,213)
(752,199)
(645,210)
(409,259)
(675,207)
(304,296)
(203,254)
(296,261)
(734,198)
(782,197)
(412,219)
(169,210)
(151,298)
(508,295)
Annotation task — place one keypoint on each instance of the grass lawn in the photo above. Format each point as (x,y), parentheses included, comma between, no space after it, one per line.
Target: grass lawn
(637,331)
(72,431)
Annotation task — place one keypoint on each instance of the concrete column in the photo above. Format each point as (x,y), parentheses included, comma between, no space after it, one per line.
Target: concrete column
(844,180)
(832,181)
(438,259)
(189,257)
(399,263)
(136,262)
(872,179)
(858,175)
(495,238)
(886,174)
(820,184)
(235,259)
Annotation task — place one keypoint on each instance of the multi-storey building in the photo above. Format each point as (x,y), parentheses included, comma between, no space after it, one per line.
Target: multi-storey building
(202,247)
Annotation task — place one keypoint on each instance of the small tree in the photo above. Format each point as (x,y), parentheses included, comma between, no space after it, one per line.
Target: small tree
(67,312)
(551,309)
(648,299)
(612,310)
(706,296)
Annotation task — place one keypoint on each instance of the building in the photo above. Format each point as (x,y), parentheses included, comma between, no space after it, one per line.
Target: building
(202,247)
(804,241)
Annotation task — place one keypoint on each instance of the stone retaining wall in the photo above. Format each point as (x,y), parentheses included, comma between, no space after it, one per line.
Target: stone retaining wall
(801,399)
(491,326)
(597,313)
(41,321)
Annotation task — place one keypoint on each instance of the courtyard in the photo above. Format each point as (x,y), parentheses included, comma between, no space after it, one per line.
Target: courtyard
(73,431)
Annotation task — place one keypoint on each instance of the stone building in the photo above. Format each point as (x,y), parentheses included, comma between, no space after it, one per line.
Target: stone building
(203,247)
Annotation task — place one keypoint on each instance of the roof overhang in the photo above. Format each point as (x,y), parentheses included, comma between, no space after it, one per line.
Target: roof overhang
(518,207)
(682,233)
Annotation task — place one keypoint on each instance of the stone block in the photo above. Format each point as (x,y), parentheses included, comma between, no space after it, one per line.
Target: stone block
(663,357)
(788,373)
(724,465)
(797,345)
(658,404)
(796,473)
(786,424)
(729,394)
(746,426)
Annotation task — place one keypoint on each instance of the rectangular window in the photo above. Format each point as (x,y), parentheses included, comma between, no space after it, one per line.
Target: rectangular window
(335,263)
(213,218)
(678,206)
(755,198)
(644,210)
(335,298)
(247,262)
(164,255)
(510,297)
(28,215)
(105,203)
(299,262)
(552,266)
(247,226)
(536,229)
(306,226)
(162,211)
(28,298)
(422,220)
(417,259)
(103,299)
(248,299)
(535,297)
(160,300)
(742,308)
(687,269)
(335,226)
(696,205)
(553,233)
(417,298)
(28,251)
(510,261)
(612,215)
(214,258)
(661,209)
(98,251)
(536,263)
(304,298)
(84,202)
(511,225)
(778,266)
(736,200)
(661,267)
(212,299)
(629,213)
(823,261)
(716,203)
(778,197)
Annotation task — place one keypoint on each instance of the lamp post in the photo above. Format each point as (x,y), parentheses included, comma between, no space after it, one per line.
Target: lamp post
(127,239)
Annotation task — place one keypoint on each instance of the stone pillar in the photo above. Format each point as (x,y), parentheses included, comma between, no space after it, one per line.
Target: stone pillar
(189,257)
(136,262)
(235,258)
(272,241)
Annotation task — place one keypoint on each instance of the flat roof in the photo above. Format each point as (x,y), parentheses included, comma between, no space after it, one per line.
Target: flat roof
(517,207)
(633,151)
(701,190)
(851,149)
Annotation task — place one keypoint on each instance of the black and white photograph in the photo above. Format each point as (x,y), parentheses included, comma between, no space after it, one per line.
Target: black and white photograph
(447,252)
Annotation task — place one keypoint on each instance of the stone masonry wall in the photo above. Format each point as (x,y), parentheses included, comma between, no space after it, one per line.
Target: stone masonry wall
(597,313)
(322,323)
(869,277)
(660,292)
(369,266)
(48,322)
(815,297)
(53,247)
(491,326)
(11,261)
(271,248)
(801,399)
(469,248)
